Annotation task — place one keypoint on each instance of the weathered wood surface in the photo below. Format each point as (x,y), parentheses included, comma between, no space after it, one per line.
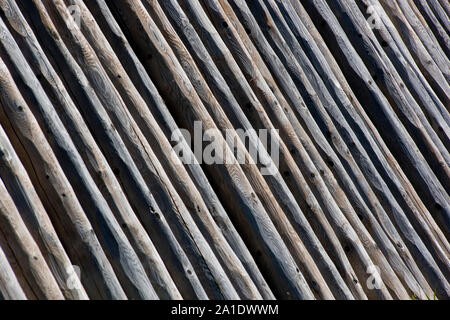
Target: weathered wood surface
(92,91)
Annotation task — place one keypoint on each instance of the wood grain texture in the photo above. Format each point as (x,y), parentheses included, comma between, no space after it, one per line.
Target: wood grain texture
(95,204)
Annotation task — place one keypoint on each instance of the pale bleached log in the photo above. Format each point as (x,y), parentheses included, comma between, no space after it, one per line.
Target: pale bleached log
(14,264)
(259,39)
(25,248)
(421,167)
(438,9)
(118,249)
(96,90)
(10,288)
(36,219)
(343,82)
(250,65)
(289,88)
(433,109)
(128,175)
(418,23)
(418,172)
(395,79)
(257,116)
(126,171)
(445,5)
(351,140)
(283,195)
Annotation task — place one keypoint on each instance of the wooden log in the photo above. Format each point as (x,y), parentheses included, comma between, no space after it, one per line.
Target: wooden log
(265,95)
(25,248)
(445,5)
(436,20)
(397,52)
(393,17)
(10,288)
(406,138)
(441,16)
(420,26)
(14,264)
(117,246)
(397,86)
(36,219)
(132,181)
(246,17)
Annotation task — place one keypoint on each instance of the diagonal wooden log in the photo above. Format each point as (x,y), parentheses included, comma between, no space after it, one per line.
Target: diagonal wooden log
(218,284)
(393,17)
(281,116)
(436,20)
(10,288)
(122,255)
(406,138)
(29,205)
(420,26)
(399,87)
(18,272)
(255,33)
(253,109)
(156,178)
(25,248)
(397,53)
